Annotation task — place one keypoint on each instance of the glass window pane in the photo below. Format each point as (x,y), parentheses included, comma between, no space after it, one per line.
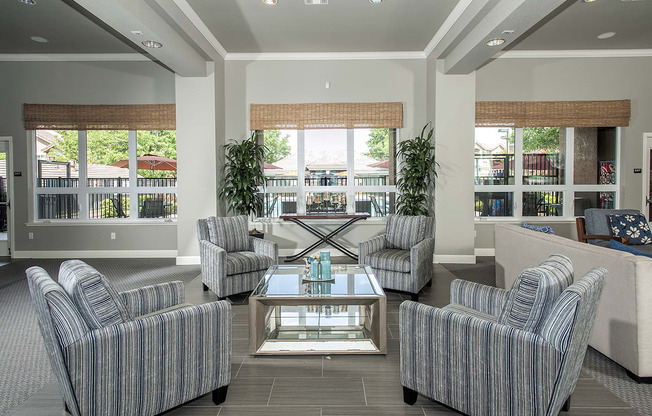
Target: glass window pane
(325,157)
(543,155)
(376,204)
(57,156)
(157,205)
(56,206)
(107,153)
(280,157)
(494,156)
(325,202)
(595,156)
(543,204)
(277,204)
(585,200)
(114,205)
(494,204)
(374,157)
(157,157)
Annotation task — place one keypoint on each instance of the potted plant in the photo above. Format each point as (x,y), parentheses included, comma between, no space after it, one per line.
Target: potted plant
(417,173)
(242,175)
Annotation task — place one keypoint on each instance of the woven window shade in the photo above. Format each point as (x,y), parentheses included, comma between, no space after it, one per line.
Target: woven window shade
(100,117)
(326,116)
(553,113)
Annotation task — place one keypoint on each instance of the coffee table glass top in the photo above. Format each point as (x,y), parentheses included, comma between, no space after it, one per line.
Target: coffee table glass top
(288,281)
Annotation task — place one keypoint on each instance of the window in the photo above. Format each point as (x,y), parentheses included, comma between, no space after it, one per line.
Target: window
(329,171)
(86,174)
(544,171)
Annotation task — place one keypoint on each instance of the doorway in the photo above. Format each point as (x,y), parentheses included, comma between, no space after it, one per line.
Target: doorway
(6,222)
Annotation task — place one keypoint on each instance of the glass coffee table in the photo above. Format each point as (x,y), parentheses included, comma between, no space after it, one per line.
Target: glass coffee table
(289,315)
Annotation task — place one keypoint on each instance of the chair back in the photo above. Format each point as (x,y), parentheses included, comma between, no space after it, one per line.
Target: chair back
(405,231)
(202,230)
(568,328)
(61,324)
(596,221)
(153,208)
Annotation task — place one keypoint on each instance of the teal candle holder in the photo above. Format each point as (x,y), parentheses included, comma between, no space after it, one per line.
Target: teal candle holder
(326,269)
(325,255)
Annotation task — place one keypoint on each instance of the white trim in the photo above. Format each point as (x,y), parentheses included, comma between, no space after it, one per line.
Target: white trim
(71,57)
(9,166)
(575,53)
(188,260)
(645,174)
(93,254)
(323,56)
(201,26)
(485,252)
(455,258)
(454,15)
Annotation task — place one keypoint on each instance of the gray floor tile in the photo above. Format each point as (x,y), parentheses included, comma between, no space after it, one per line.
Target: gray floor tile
(589,393)
(404,410)
(270,411)
(242,390)
(317,391)
(373,366)
(281,367)
(388,392)
(193,411)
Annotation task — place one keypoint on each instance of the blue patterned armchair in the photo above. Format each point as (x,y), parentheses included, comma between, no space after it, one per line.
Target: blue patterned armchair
(402,257)
(139,352)
(505,353)
(232,261)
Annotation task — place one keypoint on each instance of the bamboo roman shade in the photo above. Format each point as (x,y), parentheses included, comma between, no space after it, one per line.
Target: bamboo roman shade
(326,116)
(553,113)
(100,117)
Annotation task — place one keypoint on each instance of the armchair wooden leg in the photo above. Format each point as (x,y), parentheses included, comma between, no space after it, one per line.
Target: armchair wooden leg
(429,284)
(414,297)
(567,404)
(205,287)
(219,395)
(65,408)
(410,396)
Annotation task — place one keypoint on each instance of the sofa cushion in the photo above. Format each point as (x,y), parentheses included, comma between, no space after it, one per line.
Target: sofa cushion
(628,249)
(390,259)
(230,233)
(246,261)
(634,226)
(405,231)
(531,298)
(96,299)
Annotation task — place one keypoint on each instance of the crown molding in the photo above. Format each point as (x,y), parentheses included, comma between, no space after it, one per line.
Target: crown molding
(323,56)
(201,26)
(446,26)
(576,53)
(71,57)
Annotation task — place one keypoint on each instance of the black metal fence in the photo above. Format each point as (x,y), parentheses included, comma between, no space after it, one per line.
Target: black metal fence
(538,169)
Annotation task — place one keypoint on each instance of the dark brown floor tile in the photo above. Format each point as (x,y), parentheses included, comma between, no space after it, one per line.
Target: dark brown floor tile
(317,391)
(270,411)
(281,367)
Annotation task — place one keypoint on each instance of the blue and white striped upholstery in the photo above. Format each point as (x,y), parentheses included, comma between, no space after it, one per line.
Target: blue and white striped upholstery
(484,299)
(464,310)
(404,231)
(407,272)
(93,295)
(141,367)
(229,273)
(484,368)
(230,233)
(145,300)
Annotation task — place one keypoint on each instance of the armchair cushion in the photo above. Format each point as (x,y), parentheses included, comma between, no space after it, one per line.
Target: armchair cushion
(404,231)
(230,233)
(69,325)
(390,259)
(98,303)
(245,262)
(634,226)
(464,310)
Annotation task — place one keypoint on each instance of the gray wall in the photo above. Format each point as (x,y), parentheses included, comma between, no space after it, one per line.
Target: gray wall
(78,83)
(577,79)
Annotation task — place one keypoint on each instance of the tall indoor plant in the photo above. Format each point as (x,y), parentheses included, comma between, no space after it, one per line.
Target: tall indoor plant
(242,175)
(418,170)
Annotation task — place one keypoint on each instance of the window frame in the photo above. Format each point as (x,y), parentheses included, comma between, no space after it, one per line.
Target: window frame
(568,189)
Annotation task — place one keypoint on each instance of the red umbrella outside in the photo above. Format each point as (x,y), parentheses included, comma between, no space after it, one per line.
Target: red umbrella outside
(149,162)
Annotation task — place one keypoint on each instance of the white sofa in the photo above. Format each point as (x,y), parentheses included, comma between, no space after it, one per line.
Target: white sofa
(623,325)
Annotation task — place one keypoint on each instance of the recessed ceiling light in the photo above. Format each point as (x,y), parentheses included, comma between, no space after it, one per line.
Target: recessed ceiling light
(606,35)
(495,42)
(136,32)
(39,39)
(507,32)
(30,2)
(588,1)
(152,44)
(270,2)
(375,1)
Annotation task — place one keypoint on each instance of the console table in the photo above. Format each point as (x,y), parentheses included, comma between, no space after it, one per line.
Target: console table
(324,238)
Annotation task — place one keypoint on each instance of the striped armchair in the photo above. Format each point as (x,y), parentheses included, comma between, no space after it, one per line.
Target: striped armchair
(402,257)
(524,362)
(232,261)
(112,354)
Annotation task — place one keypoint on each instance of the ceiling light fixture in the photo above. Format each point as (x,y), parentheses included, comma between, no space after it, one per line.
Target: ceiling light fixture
(39,39)
(588,1)
(375,1)
(152,44)
(136,32)
(270,2)
(606,35)
(30,2)
(495,42)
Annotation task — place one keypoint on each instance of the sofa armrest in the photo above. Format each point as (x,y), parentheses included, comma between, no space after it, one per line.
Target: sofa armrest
(153,364)
(482,298)
(372,245)
(213,264)
(264,247)
(148,299)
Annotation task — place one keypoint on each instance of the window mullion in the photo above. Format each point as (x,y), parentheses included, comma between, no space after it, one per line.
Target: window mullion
(133,175)
(350,174)
(518,172)
(569,180)
(82,196)
(301,172)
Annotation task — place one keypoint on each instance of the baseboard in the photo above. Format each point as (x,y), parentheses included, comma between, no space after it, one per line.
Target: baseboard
(93,254)
(485,252)
(187,260)
(460,258)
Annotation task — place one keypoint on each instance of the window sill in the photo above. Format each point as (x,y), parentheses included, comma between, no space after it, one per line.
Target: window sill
(115,222)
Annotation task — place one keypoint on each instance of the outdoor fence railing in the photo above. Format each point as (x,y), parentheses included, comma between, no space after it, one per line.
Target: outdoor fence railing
(538,168)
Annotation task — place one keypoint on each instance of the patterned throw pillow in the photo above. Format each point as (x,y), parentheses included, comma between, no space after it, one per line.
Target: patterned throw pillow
(634,226)
(541,228)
